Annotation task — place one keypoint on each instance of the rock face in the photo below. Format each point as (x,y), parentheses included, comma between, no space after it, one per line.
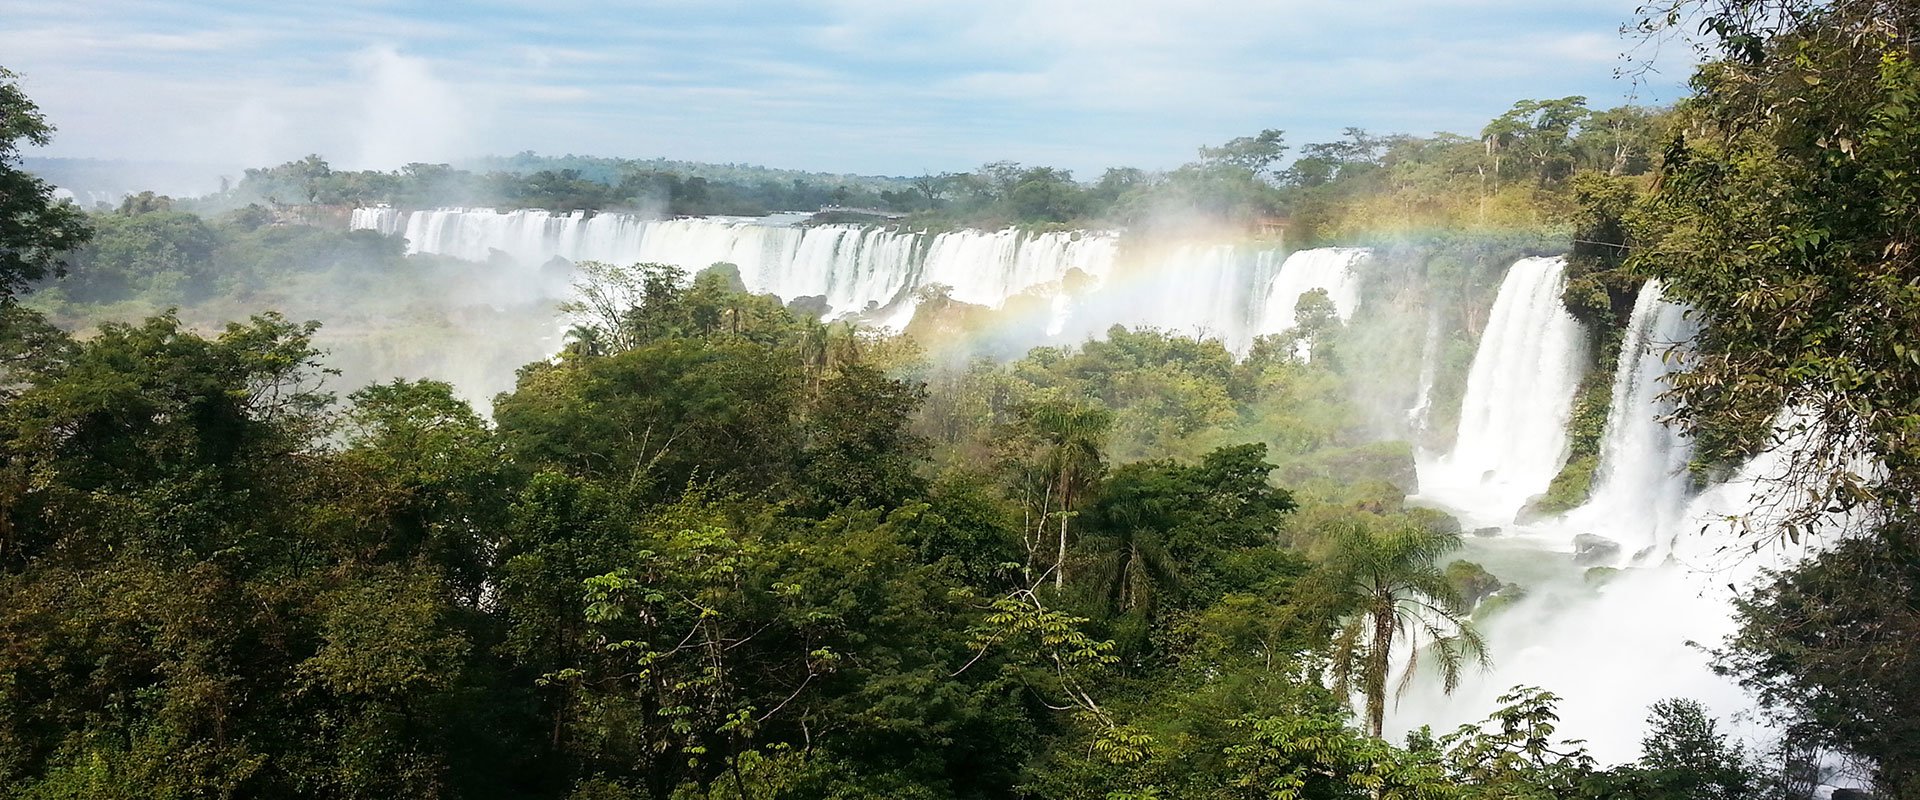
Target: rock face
(1591,549)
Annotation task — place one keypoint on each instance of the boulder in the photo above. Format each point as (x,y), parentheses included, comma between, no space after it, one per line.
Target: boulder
(1593,549)
(1486,532)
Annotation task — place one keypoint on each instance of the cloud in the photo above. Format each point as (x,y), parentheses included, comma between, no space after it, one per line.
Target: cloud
(845,85)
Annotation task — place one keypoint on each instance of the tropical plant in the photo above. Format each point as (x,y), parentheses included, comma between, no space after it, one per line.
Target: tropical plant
(1071,434)
(1386,574)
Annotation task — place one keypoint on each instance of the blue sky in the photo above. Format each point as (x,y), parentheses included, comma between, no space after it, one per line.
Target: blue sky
(895,87)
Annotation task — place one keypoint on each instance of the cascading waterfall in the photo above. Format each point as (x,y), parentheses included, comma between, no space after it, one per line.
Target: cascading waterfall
(1429,368)
(1222,291)
(1513,420)
(1640,485)
(1329,268)
(855,268)
(1196,290)
(384,219)
(1595,642)
(1611,645)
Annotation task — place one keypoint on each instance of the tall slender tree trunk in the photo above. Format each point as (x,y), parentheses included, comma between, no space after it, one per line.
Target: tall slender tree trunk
(1379,658)
(1060,561)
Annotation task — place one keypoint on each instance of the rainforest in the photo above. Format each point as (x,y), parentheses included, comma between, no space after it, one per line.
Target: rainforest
(1575,456)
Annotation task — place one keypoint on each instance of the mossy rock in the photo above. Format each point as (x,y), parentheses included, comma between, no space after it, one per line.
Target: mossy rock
(1568,490)
(1494,605)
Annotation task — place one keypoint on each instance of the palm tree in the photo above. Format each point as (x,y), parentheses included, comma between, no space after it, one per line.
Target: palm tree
(1386,575)
(1134,514)
(1072,433)
(584,341)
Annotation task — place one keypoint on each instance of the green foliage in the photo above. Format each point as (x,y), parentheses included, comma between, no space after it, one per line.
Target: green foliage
(1823,645)
(1298,757)
(1788,234)
(1514,755)
(1165,538)
(559,183)
(1535,136)
(193,603)
(36,233)
(1383,573)
(1586,434)
(1570,488)
(1471,582)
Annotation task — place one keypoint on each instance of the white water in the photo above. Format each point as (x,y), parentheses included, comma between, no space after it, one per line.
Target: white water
(855,268)
(1221,291)
(1204,290)
(1640,486)
(1612,647)
(1201,290)
(1513,420)
(1328,268)
(1422,407)
(383,219)
(1610,650)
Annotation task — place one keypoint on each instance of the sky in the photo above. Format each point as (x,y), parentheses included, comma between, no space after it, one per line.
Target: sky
(889,87)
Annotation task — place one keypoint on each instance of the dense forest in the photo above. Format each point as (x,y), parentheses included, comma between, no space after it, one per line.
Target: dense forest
(719,547)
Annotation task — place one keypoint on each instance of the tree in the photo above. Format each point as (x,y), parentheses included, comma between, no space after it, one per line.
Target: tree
(1385,572)
(1513,753)
(1538,134)
(1791,235)
(1687,753)
(859,448)
(1254,155)
(438,481)
(35,231)
(1071,435)
(1827,648)
(1171,538)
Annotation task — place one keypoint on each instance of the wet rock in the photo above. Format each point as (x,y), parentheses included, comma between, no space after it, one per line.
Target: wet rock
(1486,532)
(1593,549)
(557,268)
(814,306)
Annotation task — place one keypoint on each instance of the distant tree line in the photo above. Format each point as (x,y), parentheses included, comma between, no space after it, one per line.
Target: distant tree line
(1515,172)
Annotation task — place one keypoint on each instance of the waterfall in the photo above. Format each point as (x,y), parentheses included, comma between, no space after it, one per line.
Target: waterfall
(1223,291)
(1329,268)
(856,268)
(1205,291)
(1640,485)
(1513,421)
(1612,643)
(1611,647)
(1429,368)
(384,219)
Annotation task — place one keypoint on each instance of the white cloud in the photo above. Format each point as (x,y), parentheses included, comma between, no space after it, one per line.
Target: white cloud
(835,84)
